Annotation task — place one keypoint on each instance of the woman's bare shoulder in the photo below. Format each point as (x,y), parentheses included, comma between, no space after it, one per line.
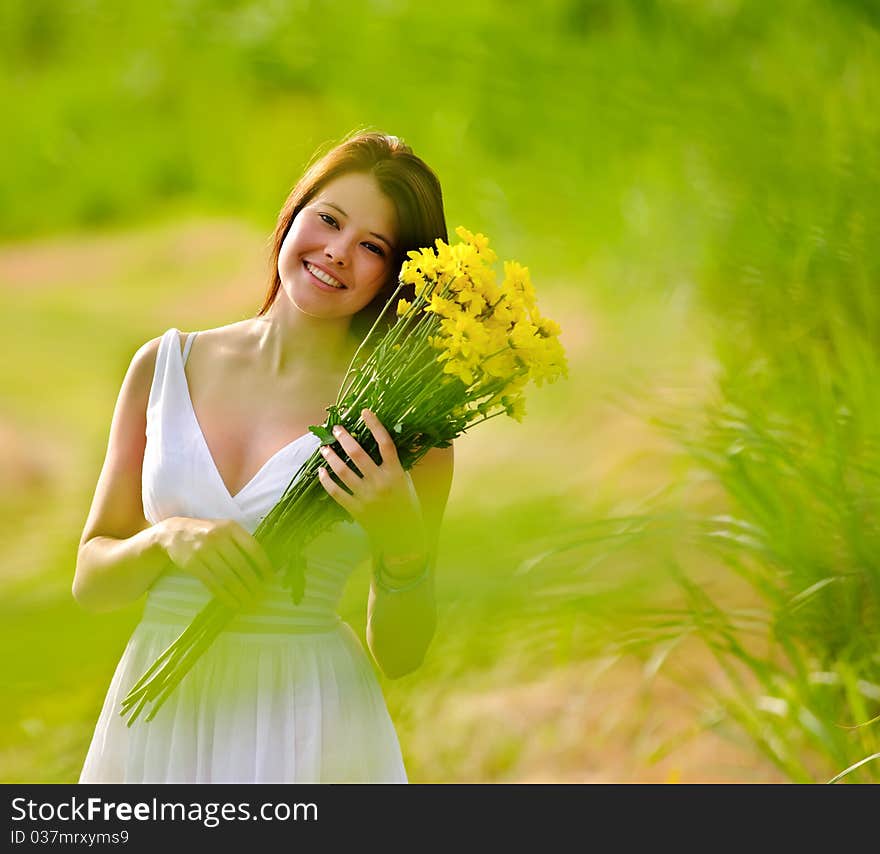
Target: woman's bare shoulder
(143,363)
(226,338)
(230,339)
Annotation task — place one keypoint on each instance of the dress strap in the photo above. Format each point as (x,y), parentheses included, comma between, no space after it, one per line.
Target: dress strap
(186,347)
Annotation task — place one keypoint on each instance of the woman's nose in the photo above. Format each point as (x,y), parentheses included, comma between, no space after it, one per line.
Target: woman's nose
(336,253)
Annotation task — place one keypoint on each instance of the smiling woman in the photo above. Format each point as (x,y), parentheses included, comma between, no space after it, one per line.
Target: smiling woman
(407,213)
(339,249)
(207,431)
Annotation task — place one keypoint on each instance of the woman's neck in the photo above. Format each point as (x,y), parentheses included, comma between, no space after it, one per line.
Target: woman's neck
(289,341)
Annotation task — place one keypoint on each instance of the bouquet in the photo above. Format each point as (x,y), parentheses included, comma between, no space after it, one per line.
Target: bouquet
(458,354)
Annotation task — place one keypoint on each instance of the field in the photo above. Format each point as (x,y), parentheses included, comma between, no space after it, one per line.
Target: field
(667,572)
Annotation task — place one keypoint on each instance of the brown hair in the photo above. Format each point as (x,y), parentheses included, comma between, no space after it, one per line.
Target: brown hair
(404,178)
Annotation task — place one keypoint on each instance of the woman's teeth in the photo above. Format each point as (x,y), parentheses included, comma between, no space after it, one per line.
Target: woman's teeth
(322,276)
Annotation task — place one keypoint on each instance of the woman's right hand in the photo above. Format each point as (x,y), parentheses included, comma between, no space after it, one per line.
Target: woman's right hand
(221,554)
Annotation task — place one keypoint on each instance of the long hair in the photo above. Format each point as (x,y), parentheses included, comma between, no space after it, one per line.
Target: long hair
(404,178)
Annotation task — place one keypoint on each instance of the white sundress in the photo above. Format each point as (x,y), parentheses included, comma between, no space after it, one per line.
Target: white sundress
(285,694)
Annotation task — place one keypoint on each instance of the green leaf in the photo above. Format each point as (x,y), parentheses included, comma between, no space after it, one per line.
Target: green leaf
(326,437)
(858,764)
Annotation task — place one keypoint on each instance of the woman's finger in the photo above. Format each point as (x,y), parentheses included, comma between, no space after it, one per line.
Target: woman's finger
(200,570)
(224,574)
(358,455)
(387,448)
(241,565)
(343,471)
(337,493)
(254,551)
(254,554)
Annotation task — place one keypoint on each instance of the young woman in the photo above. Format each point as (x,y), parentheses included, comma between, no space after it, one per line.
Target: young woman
(207,431)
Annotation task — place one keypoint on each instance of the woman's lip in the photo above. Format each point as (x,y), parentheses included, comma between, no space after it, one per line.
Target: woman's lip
(326,272)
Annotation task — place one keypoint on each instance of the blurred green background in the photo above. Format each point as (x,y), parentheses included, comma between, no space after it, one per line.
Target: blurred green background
(669,570)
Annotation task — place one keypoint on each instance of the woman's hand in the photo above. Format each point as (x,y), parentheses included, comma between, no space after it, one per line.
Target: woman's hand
(381,498)
(221,554)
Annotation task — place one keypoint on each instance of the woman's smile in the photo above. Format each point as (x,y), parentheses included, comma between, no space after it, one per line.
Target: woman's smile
(340,242)
(324,277)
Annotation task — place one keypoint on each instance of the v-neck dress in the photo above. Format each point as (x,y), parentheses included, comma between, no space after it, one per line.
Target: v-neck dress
(287,692)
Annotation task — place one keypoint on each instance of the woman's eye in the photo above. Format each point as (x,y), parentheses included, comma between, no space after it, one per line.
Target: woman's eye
(328,219)
(376,250)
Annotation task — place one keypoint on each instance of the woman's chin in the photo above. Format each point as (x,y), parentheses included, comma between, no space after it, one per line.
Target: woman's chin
(321,309)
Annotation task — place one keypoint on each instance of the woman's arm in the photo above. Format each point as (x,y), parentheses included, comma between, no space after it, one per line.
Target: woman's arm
(402,613)
(404,529)
(119,554)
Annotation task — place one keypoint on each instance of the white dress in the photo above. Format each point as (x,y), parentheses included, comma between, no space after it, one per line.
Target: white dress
(284,694)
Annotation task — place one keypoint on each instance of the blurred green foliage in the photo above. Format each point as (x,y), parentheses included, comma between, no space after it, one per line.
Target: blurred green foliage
(660,133)
(694,177)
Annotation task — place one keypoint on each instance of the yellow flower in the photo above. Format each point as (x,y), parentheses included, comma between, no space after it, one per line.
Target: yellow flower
(520,280)
(464,335)
(443,307)
(471,300)
(410,274)
(515,407)
(548,328)
(550,363)
(504,313)
(524,337)
(515,384)
(421,269)
(479,241)
(484,333)
(443,253)
(501,365)
(459,369)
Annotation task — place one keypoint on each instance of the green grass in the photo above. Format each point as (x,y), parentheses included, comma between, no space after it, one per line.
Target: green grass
(694,187)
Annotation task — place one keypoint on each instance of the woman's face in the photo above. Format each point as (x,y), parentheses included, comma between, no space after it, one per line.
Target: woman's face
(338,252)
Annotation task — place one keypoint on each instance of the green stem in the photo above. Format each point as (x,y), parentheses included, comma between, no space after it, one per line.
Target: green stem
(389,302)
(193,630)
(215,613)
(185,665)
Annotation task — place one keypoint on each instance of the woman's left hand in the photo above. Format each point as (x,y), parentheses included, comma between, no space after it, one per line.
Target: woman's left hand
(382,499)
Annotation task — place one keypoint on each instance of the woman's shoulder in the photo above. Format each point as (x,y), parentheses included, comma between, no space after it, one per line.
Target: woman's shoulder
(228,340)
(143,362)
(144,358)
